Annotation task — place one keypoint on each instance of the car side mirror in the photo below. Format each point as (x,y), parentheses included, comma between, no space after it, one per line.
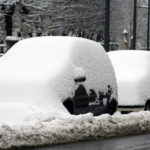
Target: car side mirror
(80,79)
(79,74)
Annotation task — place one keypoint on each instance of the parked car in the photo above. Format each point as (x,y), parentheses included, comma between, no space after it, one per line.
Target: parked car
(132,68)
(66,73)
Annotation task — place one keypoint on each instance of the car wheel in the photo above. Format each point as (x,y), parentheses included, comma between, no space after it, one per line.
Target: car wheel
(147,105)
(112,107)
(69,105)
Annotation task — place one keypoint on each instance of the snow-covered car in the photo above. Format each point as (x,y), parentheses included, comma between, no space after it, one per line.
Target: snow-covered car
(132,68)
(53,72)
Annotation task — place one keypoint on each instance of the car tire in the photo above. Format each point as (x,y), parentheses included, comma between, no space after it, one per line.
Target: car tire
(112,107)
(68,103)
(147,105)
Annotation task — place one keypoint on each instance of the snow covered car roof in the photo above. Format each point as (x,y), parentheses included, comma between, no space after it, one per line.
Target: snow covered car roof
(132,68)
(40,71)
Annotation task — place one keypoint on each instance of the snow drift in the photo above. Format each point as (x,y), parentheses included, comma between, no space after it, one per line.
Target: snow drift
(133,76)
(50,129)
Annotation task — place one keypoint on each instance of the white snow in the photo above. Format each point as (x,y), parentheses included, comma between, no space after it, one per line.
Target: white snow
(36,75)
(132,68)
(79,72)
(40,72)
(55,128)
(15,113)
(12,38)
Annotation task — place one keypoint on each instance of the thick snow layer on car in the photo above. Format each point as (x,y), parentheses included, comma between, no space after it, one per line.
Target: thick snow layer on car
(40,71)
(50,129)
(16,113)
(132,70)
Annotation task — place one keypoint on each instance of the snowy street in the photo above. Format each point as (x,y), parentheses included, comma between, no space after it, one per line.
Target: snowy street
(140,142)
(45,129)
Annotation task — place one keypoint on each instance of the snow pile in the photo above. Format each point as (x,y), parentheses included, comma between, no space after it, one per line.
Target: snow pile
(132,70)
(15,113)
(79,72)
(50,129)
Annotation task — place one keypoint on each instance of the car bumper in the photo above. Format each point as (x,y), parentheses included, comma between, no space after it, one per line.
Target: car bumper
(129,108)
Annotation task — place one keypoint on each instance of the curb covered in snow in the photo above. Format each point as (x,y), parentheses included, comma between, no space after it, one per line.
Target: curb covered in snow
(56,130)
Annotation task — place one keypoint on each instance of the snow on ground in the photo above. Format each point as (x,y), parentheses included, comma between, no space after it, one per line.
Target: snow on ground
(132,70)
(55,128)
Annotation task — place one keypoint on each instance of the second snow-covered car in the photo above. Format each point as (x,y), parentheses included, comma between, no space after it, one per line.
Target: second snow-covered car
(63,73)
(132,68)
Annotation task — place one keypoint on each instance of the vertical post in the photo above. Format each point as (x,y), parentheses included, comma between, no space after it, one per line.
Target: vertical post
(148,21)
(107,15)
(20,18)
(134,25)
(125,39)
(8,23)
